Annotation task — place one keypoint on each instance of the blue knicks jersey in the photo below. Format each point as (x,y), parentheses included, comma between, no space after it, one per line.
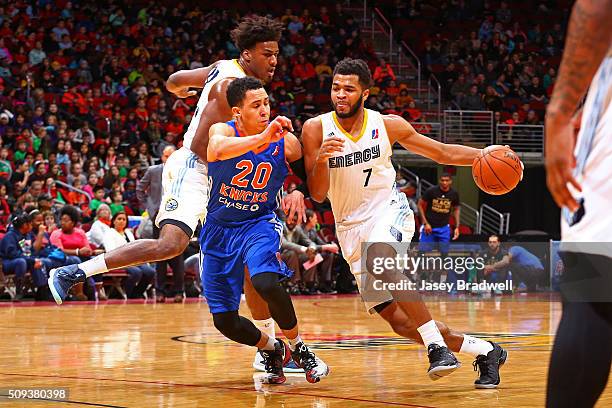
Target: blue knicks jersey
(246,187)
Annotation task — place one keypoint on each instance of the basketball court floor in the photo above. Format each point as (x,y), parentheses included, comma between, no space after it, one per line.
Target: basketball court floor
(139,354)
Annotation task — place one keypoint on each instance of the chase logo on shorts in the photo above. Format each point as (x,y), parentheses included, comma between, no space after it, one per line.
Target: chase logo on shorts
(171,204)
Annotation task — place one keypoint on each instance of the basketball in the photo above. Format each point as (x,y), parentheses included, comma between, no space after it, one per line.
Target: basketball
(497,170)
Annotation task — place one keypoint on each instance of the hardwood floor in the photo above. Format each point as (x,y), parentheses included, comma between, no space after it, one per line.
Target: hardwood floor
(120,354)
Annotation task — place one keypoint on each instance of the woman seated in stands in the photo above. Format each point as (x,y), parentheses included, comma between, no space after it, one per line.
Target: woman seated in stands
(139,277)
(100,226)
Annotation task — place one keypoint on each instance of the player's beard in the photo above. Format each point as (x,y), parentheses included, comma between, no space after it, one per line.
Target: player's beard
(352,112)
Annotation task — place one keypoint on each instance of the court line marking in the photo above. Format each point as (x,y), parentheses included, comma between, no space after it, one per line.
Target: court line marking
(220,387)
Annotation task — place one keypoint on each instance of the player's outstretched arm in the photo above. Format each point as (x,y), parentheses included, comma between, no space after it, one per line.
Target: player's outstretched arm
(179,82)
(316,156)
(402,132)
(222,145)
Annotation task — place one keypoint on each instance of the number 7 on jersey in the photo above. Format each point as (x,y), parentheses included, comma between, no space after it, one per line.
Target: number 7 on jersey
(369,173)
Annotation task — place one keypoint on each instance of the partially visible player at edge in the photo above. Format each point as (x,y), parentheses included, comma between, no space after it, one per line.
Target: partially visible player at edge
(184,179)
(347,153)
(582,354)
(247,167)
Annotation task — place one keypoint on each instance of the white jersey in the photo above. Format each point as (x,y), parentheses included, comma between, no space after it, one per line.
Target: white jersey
(224,69)
(593,223)
(361,177)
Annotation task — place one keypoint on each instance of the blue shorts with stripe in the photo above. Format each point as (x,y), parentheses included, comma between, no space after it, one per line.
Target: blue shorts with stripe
(226,251)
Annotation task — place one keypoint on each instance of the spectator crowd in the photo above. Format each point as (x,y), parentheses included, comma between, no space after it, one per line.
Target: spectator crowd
(84,113)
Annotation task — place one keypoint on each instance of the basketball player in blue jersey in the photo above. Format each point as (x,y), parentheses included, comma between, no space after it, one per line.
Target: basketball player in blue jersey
(579,177)
(247,165)
(184,180)
(347,153)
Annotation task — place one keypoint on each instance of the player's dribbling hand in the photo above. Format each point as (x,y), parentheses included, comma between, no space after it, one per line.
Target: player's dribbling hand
(329,147)
(560,161)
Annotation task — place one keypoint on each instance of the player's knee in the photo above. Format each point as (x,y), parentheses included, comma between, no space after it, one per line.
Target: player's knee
(228,323)
(266,284)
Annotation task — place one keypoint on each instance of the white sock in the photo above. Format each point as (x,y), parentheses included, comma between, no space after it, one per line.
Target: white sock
(266,326)
(431,334)
(94,266)
(475,346)
(293,342)
(270,344)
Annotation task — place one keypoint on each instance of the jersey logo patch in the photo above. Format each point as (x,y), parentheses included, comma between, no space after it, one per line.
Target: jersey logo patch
(374,134)
(276,150)
(171,204)
(396,233)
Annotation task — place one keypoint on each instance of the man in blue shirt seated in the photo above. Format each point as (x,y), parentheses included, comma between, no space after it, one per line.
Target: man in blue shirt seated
(525,267)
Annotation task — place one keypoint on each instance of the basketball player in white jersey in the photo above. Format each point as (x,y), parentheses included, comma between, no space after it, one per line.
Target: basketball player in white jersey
(184,179)
(579,177)
(347,154)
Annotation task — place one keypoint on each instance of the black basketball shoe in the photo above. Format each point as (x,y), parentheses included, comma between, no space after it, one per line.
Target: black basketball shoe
(314,367)
(489,366)
(274,361)
(442,361)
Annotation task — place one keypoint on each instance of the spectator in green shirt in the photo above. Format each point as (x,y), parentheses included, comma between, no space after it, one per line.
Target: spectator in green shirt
(99,198)
(117,204)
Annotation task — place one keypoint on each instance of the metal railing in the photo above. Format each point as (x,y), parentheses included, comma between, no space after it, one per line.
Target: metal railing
(438,89)
(521,138)
(417,68)
(492,221)
(379,19)
(71,188)
(469,216)
(473,128)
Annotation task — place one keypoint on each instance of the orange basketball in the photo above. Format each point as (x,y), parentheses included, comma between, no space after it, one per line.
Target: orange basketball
(497,170)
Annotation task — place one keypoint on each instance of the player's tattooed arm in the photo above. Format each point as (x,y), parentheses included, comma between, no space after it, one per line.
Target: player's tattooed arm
(179,82)
(316,155)
(217,110)
(402,132)
(587,43)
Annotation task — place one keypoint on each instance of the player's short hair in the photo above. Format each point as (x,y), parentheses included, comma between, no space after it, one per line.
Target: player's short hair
(238,88)
(445,174)
(309,213)
(350,66)
(255,29)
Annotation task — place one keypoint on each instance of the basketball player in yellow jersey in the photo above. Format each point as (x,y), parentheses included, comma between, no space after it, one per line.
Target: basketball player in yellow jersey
(347,153)
(582,355)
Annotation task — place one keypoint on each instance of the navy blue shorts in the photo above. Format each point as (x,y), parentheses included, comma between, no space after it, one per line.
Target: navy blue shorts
(226,251)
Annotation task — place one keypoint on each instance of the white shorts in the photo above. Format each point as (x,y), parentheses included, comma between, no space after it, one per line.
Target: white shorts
(396,219)
(185,191)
